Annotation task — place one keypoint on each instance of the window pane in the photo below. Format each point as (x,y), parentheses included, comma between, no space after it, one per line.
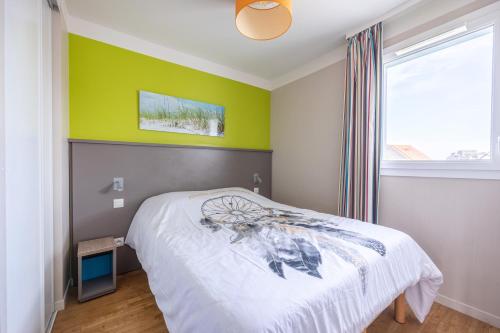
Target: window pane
(438,101)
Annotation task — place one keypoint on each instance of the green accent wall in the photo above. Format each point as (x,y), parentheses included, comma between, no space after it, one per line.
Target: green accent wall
(104,98)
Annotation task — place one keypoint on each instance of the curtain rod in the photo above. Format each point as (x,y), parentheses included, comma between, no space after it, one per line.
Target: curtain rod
(393,12)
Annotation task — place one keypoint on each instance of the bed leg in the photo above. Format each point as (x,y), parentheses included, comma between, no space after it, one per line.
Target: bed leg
(400,309)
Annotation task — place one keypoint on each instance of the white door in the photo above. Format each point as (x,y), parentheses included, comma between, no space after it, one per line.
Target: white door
(3,277)
(27,168)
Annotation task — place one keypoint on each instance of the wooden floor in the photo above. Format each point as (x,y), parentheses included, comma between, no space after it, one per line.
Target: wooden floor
(132,308)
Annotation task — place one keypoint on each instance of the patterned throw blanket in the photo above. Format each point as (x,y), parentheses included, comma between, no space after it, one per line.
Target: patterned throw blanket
(229,260)
(286,237)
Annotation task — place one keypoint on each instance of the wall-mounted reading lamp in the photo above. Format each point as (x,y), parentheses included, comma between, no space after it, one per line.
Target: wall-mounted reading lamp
(256,179)
(118,184)
(256,182)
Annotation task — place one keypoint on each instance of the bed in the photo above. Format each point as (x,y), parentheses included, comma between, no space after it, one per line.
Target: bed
(230,260)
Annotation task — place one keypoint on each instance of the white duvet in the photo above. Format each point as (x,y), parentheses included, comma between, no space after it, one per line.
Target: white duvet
(230,260)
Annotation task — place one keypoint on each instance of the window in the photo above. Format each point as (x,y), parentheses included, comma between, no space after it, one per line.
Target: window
(439,109)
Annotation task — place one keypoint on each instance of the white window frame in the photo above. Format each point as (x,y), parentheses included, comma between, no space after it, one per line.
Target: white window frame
(489,169)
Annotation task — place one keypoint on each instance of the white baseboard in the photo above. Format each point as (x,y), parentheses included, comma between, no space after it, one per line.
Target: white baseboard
(59,305)
(51,322)
(469,310)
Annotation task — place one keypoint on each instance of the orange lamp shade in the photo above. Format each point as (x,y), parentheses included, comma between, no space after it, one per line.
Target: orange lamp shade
(263,20)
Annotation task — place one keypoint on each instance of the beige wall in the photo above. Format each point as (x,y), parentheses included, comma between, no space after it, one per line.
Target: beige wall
(60,127)
(457,222)
(306,140)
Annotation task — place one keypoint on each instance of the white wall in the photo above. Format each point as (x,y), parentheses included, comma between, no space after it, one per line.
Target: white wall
(457,222)
(46,186)
(60,125)
(28,174)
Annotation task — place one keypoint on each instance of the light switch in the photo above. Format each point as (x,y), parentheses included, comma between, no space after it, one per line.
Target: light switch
(118,203)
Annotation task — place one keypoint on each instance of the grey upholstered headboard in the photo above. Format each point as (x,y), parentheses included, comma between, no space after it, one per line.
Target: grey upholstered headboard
(148,170)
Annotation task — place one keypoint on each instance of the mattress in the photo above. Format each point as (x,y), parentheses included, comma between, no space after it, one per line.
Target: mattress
(230,260)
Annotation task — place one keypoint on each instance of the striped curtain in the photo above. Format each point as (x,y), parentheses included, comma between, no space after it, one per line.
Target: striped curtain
(360,160)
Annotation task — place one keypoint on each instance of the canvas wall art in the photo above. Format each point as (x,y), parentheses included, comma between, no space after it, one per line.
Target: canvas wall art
(172,114)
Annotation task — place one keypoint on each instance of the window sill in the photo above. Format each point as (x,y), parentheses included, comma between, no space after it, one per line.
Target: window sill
(440,173)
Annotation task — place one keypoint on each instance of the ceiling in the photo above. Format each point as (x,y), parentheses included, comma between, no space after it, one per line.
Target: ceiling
(206,29)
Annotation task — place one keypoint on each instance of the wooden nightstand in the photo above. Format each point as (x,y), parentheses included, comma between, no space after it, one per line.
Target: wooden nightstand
(96,268)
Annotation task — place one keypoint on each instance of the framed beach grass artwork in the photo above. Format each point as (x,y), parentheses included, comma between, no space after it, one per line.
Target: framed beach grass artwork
(172,114)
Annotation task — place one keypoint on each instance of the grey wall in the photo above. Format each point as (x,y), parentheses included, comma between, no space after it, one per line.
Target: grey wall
(305,137)
(457,222)
(148,170)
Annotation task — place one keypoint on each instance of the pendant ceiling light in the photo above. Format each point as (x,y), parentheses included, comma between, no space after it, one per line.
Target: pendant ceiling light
(263,20)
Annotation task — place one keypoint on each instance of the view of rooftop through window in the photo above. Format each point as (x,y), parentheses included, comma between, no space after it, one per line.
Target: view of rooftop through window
(439,100)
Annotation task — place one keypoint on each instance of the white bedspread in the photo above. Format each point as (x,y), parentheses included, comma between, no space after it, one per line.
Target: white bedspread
(230,260)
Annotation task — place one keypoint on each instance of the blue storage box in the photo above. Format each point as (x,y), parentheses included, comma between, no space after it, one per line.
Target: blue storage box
(97,265)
